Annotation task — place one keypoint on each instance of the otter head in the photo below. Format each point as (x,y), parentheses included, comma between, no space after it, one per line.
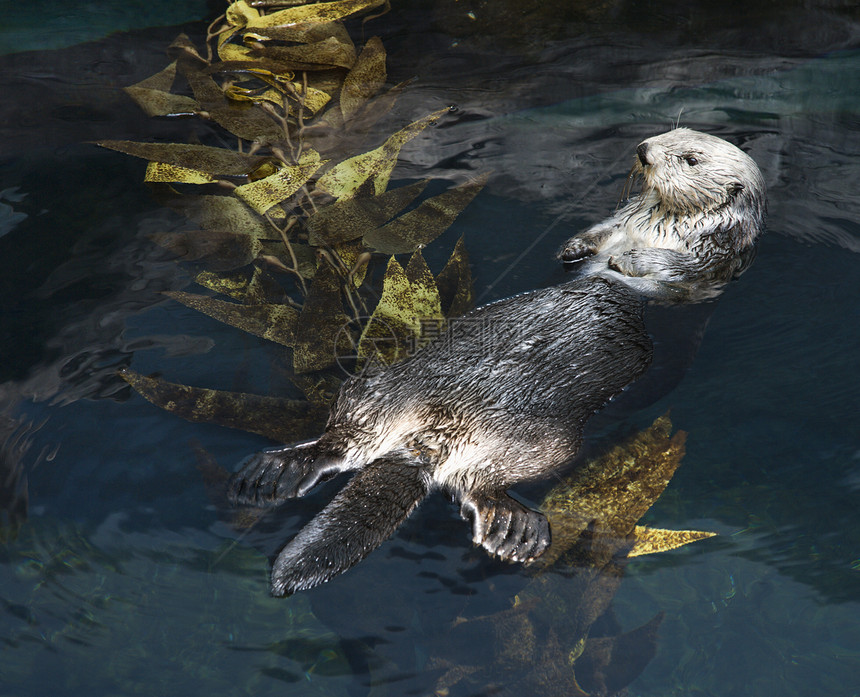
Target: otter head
(705,178)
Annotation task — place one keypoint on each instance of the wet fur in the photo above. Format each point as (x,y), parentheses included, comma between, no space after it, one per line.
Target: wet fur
(701,208)
(499,399)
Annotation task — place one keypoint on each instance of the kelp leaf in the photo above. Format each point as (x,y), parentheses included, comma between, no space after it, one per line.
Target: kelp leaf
(320,322)
(297,94)
(242,120)
(303,33)
(282,420)
(390,335)
(240,13)
(423,292)
(355,258)
(345,178)
(238,94)
(332,122)
(417,228)
(273,322)
(228,51)
(306,258)
(224,52)
(319,388)
(280,84)
(253,287)
(234,285)
(614,491)
(246,121)
(262,194)
(183,51)
(313,99)
(455,282)
(224,213)
(161,172)
(313,12)
(162,80)
(328,53)
(409,299)
(365,79)
(215,161)
(161,103)
(653,540)
(219,250)
(351,218)
(373,110)
(251,68)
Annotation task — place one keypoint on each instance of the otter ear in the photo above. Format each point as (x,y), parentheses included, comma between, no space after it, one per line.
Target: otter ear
(735,188)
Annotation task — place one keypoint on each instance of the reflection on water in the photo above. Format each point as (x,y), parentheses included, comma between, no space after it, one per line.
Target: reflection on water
(124,579)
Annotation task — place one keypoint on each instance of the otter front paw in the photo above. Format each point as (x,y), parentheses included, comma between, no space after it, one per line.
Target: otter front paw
(575,249)
(271,476)
(635,262)
(506,528)
(662,264)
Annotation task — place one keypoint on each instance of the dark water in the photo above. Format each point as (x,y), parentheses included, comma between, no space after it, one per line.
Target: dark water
(124,580)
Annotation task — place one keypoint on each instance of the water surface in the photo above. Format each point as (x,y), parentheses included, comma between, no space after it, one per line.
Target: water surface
(124,579)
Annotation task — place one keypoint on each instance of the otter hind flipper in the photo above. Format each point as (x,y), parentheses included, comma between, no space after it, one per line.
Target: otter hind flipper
(366,512)
(504,527)
(270,476)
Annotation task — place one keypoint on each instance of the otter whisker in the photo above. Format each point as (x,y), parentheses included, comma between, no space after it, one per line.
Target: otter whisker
(629,183)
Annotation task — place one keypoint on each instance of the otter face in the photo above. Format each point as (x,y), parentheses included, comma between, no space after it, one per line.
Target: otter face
(696,173)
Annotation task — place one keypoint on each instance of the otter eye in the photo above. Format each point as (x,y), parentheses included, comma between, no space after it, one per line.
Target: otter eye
(690,160)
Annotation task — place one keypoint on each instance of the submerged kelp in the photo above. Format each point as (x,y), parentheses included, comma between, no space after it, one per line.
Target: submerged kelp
(560,637)
(288,222)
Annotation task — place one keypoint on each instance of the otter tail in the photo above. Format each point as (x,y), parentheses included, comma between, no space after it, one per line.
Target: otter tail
(366,512)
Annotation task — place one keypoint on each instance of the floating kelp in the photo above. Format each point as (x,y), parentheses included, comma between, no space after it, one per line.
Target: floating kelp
(416,229)
(410,297)
(302,199)
(270,321)
(278,419)
(353,218)
(216,162)
(546,643)
(319,323)
(455,283)
(251,285)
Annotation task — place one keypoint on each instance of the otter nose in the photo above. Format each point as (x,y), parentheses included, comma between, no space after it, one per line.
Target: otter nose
(642,152)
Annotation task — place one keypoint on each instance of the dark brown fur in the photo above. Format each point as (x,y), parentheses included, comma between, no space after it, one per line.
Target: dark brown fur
(500,398)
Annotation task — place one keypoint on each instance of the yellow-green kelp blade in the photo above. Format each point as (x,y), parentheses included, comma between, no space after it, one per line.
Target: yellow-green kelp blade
(654,540)
(269,321)
(345,178)
(282,420)
(417,228)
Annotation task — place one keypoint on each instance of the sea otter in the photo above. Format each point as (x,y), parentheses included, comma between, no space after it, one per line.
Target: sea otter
(701,208)
(500,398)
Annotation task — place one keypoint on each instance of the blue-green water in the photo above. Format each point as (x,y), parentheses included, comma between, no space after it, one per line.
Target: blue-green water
(49,24)
(125,580)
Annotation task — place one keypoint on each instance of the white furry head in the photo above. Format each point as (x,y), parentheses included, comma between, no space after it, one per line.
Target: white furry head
(704,177)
